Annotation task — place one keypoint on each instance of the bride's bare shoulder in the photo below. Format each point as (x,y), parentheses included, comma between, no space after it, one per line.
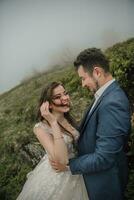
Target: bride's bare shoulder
(43,125)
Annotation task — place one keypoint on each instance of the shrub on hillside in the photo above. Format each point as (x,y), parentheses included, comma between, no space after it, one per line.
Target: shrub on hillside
(121,58)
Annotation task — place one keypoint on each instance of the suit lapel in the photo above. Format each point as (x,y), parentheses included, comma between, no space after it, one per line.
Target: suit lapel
(89,114)
(85,115)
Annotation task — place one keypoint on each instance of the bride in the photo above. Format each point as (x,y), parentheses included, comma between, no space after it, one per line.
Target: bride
(57,134)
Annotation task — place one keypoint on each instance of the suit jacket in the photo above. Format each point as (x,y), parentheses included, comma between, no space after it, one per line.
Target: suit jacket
(103,135)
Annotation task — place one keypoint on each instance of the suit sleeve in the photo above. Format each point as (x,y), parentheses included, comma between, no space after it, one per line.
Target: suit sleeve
(113,126)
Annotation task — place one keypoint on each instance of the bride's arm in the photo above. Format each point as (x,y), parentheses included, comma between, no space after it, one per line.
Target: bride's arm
(53,144)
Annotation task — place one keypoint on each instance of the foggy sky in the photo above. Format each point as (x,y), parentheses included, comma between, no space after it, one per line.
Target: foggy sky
(35,34)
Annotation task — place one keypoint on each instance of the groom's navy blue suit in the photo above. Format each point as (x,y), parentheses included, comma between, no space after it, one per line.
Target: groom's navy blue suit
(103,135)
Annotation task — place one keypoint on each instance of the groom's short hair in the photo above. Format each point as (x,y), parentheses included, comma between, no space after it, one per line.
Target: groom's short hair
(91,57)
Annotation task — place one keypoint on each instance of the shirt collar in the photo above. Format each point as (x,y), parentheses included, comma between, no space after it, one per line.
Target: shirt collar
(102,89)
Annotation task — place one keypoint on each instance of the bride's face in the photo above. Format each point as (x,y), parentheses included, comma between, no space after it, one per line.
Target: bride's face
(60,100)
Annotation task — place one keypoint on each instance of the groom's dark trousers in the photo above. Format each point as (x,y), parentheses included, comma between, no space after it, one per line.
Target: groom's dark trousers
(103,135)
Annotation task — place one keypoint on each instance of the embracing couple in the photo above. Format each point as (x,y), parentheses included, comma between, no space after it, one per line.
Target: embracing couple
(89,161)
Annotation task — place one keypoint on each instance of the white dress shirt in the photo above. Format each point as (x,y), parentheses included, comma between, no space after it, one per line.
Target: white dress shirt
(100,91)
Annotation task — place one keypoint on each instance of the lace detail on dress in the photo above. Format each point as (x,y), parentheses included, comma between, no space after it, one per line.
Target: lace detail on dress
(67,138)
(43,183)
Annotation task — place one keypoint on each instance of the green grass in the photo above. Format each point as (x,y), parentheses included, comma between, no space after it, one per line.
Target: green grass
(19,149)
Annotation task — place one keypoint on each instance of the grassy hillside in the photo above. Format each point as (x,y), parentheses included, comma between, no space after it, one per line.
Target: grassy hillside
(19,149)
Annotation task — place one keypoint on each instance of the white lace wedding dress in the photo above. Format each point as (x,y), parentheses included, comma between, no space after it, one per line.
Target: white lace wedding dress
(43,183)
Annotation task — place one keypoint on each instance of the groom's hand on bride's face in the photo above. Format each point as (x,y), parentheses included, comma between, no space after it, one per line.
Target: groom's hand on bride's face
(58,167)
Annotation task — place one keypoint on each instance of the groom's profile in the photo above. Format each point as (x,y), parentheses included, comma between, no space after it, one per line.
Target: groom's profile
(104,131)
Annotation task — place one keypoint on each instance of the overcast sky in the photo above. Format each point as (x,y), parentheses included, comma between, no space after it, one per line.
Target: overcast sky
(35,34)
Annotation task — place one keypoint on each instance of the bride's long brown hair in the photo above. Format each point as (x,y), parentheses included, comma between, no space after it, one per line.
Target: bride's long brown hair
(46,95)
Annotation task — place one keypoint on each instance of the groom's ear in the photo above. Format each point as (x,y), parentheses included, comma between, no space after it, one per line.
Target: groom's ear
(97,71)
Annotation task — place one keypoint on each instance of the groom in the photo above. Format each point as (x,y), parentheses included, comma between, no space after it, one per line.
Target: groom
(103,132)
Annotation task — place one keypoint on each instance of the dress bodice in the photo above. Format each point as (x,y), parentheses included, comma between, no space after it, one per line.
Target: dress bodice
(67,138)
(43,182)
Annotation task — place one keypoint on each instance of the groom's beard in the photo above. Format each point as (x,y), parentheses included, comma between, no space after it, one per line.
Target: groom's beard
(97,86)
(94,90)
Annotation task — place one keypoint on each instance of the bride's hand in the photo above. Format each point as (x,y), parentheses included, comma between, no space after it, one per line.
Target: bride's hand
(44,109)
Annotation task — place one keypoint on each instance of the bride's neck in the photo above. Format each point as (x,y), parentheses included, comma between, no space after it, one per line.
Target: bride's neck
(59,116)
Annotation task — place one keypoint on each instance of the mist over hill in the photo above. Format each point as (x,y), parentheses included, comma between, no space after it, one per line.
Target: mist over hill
(37,34)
